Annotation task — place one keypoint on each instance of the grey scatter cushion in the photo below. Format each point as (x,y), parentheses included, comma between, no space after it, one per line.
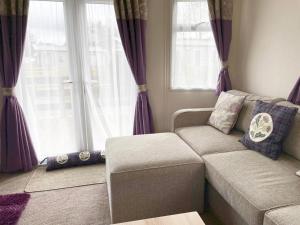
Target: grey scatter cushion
(226,112)
(74,159)
(269,126)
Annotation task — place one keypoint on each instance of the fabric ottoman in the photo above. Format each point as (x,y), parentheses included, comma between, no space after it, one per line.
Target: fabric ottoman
(152,175)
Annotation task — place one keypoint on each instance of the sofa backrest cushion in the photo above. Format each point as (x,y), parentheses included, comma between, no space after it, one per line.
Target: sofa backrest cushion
(238,93)
(291,145)
(245,116)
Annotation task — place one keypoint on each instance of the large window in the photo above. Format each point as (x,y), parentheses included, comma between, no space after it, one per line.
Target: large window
(195,62)
(75,86)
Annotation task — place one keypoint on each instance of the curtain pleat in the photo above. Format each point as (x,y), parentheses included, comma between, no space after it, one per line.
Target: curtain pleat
(294,96)
(17,152)
(221,21)
(131,19)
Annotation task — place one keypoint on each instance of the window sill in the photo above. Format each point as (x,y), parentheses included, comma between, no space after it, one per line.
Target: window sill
(191,90)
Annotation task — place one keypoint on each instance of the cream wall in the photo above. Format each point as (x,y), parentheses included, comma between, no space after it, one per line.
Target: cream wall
(267,47)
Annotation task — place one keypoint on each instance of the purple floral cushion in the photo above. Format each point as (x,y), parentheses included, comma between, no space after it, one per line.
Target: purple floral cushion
(269,126)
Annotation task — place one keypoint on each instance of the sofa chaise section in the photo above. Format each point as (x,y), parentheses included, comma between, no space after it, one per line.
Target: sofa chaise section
(252,183)
(283,216)
(153,175)
(220,208)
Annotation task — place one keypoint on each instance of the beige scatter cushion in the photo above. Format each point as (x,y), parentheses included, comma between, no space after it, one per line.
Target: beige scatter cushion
(226,112)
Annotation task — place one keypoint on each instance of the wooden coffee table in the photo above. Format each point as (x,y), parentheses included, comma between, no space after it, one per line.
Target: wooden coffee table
(191,218)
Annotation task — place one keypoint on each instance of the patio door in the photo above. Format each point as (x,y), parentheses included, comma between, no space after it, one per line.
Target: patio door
(76,87)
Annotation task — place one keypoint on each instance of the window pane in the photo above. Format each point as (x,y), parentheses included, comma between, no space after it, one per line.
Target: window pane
(191,12)
(110,86)
(195,62)
(44,88)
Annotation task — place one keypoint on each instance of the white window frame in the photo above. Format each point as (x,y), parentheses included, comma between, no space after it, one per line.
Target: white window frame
(171,47)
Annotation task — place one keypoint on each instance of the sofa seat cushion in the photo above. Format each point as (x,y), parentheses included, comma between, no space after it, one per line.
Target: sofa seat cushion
(283,216)
(206,139)
(252,183)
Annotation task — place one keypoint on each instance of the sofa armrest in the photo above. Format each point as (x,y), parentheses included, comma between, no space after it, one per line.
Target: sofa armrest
(190,117)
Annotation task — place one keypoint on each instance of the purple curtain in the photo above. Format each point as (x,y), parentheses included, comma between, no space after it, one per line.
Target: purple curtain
(17,152)
(294,96)
(221,22)
(131,18)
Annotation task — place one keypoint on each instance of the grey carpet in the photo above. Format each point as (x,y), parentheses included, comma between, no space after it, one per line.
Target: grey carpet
(14,182)
(85,205)
(65,178)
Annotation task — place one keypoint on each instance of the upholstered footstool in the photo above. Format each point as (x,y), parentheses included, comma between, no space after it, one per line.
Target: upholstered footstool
(152,175)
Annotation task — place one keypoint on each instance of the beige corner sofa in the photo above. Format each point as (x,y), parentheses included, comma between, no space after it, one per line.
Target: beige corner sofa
(242,187)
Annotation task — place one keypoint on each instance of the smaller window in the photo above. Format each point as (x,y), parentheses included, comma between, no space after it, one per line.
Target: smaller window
(195,61)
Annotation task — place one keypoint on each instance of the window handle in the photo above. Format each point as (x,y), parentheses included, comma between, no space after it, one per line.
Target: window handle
(67,82)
